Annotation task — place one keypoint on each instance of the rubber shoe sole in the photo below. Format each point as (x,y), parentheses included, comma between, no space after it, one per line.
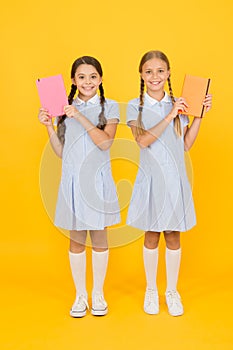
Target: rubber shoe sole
(78,314)
(99,312)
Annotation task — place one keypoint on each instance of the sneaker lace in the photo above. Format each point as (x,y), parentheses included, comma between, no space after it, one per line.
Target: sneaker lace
(82,300)
(99,299)
(150,296)
(174,297)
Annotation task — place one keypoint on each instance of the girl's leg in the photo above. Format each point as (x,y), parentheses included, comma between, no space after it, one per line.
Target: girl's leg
(100,255)
(173,257)
(77,256)
(150,258)
(77,241)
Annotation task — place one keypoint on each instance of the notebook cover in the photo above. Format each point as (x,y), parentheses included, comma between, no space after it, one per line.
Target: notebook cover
(52,94)
(194,91)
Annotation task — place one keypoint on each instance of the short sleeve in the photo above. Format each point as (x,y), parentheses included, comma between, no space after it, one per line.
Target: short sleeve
(132,111)
(55,121)
(184,120)
(112,110)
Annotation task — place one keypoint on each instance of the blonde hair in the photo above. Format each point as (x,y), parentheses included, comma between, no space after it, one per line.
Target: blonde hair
(146,57)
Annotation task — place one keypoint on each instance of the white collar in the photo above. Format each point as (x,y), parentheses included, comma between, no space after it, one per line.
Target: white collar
(94,100)
(152,101)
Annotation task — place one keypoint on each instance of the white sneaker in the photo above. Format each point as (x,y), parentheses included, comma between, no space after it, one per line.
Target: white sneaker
(80,306)
(151,302)
(174,304)
(99,305)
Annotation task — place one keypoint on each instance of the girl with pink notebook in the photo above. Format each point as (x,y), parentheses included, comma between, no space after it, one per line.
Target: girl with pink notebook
(87,199)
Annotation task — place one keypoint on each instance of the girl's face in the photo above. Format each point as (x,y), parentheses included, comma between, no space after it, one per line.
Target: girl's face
(87,80)
(155,74)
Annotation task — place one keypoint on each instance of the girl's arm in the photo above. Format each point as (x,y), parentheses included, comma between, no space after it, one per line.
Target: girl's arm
(190,134)
(102,138)
(54,140)
(152,134)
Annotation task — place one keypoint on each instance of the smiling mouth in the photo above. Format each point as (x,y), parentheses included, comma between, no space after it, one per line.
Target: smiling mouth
(88,88)
(155,83)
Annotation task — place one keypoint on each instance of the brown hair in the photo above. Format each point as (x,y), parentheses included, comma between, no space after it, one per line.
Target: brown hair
(146,57)
(102,120)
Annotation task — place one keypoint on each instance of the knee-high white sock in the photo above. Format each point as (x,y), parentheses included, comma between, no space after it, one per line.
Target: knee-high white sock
(78,269)
(99,266)
(150,257)
(173,258)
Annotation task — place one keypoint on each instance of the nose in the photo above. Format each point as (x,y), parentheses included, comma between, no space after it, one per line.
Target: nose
(88,81)
(155,75)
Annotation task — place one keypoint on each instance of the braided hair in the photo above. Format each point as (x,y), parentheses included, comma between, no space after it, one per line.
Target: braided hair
(177,125)
(102,120)
(61,128)
(139,124)
(147,56)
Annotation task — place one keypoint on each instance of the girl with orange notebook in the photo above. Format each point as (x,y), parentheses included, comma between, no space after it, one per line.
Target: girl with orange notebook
(162,199)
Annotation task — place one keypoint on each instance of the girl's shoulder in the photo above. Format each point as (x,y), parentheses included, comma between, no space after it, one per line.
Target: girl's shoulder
(134,101)
(133,107)
(111,109)
(109,101)
(132,110)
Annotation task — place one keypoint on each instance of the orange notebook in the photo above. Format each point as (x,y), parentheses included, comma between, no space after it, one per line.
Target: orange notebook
(194,91)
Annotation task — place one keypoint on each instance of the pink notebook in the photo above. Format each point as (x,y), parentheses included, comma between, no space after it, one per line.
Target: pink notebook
(52,94)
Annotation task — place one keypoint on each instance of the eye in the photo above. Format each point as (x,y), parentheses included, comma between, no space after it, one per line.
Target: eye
(148,72)
(81,77)
(93,77)
(161,70)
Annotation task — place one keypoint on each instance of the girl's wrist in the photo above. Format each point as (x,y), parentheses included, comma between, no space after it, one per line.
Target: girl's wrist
(169,118)
(197,119)
(50,130)
(77,115)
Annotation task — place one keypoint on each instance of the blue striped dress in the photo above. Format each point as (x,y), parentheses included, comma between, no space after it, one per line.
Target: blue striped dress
(87,198)
(162,198)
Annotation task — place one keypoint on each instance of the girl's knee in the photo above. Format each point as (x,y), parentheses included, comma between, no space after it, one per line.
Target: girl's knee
(99,240)
(76,247)
(151,239)
(99,249)
(77,241)
(172,239)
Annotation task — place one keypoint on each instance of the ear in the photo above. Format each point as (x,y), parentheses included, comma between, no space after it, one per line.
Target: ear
(168,74)
(73,81)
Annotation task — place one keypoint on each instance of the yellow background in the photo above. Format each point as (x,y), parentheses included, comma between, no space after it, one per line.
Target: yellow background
(43,38)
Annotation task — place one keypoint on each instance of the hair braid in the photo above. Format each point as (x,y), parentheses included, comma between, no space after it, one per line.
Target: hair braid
(177,125)
(61,128)
(139,125)
(72,93)
(102,119)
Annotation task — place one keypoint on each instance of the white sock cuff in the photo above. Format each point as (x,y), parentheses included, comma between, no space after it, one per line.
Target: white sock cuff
(77,254)
(105,252)
(173,251)
(150,251)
